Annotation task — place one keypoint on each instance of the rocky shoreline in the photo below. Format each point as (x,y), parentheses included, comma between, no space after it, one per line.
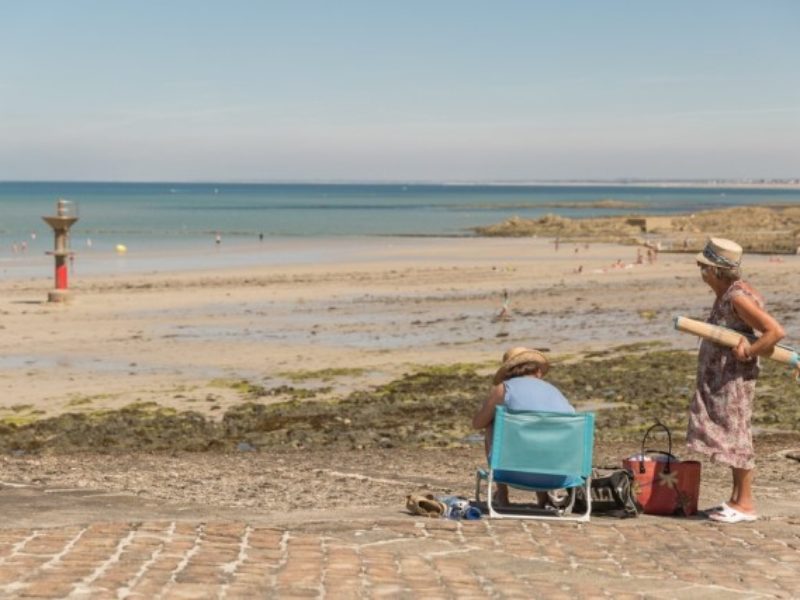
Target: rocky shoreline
(375,445)
(766,230)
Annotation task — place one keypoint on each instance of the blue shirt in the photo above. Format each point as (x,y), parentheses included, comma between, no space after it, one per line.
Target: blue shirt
(531,393)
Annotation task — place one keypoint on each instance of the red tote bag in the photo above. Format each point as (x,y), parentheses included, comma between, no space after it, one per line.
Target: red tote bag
(666,485)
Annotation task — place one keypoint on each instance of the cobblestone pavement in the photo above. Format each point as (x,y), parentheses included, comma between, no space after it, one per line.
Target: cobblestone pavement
(396,556)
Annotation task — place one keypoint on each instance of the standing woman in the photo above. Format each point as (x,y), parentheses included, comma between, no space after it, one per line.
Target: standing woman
(719,416)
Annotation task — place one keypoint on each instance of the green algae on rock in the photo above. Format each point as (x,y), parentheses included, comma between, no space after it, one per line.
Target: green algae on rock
(323,374)
(761,229)
(629,388)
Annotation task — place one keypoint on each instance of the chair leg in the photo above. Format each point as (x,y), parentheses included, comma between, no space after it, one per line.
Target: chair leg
(564,514)
(567,510)
(492,512)
(588,493)
(588,496)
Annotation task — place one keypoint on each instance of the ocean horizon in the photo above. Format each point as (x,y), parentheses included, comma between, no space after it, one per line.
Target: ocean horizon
(183,220)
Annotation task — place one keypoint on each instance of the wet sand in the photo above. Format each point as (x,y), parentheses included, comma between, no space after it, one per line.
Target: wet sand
(248,347)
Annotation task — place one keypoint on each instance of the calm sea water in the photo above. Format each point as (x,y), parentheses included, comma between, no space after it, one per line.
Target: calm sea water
(164,217)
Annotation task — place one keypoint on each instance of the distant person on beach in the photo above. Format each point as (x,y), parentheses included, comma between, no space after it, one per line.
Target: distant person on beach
(505,311)
(518,385)
(217,239)
(260,237)
(720,413)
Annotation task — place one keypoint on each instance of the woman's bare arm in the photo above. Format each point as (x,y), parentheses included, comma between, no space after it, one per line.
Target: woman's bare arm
(760,320)
(485,415)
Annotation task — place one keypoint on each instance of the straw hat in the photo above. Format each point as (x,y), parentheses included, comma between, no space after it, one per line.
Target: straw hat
(722,253)
(520,356)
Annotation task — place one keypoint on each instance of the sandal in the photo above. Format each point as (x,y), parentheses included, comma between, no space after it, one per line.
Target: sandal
(730,515)
(721,507)
(426,506)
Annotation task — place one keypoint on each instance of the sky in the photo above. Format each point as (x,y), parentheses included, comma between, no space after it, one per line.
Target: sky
(372,90)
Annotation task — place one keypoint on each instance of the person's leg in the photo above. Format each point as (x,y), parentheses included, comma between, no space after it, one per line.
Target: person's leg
(743,488)
(735,489)
(501,495)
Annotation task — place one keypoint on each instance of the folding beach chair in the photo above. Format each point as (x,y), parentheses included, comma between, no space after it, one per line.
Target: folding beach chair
(539,452)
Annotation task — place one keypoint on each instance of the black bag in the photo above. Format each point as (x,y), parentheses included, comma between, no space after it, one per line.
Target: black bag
(612,494)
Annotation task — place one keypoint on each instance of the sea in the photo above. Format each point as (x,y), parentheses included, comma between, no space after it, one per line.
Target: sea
(164,226)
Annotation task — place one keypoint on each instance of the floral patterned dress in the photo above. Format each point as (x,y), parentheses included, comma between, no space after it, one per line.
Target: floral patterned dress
(719,416)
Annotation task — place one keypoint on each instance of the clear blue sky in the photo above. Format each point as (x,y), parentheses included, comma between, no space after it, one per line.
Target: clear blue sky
(403,90)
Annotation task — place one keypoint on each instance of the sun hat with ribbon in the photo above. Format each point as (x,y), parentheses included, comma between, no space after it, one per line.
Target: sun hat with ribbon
(520,356)
(722,253)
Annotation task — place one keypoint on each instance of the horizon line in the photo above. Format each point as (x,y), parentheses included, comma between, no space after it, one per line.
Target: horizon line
(789,181)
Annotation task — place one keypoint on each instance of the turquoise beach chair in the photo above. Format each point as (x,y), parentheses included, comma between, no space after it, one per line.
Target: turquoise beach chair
(539,452)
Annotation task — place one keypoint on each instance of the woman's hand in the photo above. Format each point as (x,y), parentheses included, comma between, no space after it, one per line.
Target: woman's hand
(742,351)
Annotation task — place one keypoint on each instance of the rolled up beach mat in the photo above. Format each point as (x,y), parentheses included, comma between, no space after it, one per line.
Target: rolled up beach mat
(730,338)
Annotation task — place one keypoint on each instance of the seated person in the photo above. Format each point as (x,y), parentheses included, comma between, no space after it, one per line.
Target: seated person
(518,385)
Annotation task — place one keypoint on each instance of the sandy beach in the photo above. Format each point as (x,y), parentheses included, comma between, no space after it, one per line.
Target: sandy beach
(286,335)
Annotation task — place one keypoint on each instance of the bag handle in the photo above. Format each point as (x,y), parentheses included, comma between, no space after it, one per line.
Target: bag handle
(668,453)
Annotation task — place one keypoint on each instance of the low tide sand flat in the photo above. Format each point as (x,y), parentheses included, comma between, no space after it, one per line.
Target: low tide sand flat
(181,338)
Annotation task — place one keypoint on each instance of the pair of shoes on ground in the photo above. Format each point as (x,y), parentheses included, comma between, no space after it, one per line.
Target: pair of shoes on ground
(724,513)
(426,506)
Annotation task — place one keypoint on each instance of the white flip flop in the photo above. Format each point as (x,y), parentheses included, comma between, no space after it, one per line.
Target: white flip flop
(731,515)
(715,509)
